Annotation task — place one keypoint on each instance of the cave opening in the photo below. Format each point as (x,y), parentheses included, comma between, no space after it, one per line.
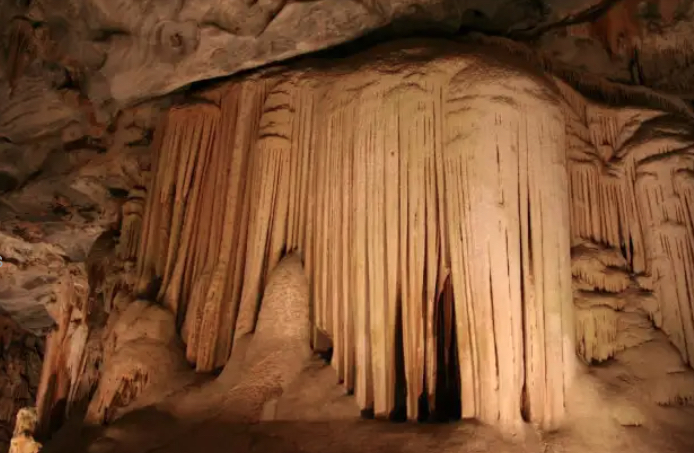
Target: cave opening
(399,412)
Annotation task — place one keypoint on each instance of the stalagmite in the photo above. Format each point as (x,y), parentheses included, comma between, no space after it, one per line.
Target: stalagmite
(23,436)
(141,356)
(54,386)
(279,348)
(390,179)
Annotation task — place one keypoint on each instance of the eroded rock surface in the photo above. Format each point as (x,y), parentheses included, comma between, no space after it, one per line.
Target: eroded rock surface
(75,169)
(120,53)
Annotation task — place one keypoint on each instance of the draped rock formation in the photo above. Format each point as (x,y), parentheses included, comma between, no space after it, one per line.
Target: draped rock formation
(631,188)
(246,391)
(466,222)
(391,175)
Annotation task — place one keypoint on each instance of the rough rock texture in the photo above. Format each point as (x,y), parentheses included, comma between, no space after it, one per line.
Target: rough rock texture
(410,181)
(119,52)
(81,237)
(141,354)
(50,222)
(371,145)
(638,42)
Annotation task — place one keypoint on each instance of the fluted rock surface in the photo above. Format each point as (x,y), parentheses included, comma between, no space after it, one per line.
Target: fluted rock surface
(390,174)
(441,195)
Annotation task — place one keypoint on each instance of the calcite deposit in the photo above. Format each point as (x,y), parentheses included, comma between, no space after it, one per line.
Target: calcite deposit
(447,228)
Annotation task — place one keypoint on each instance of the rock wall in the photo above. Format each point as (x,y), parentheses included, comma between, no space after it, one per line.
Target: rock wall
(434,191)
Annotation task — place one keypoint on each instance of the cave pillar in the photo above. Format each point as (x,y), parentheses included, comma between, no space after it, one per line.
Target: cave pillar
(509,238)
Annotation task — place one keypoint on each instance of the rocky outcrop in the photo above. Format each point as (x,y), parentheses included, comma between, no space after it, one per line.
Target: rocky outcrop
(641,43)
(67,190)
(120,53)
(50,222)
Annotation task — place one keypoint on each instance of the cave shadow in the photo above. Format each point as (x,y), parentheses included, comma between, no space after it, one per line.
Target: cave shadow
(150,430)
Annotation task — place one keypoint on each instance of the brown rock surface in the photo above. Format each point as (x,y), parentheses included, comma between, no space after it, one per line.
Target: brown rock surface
(91,220)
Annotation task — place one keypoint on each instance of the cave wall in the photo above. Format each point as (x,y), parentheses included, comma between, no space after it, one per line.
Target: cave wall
(405,174)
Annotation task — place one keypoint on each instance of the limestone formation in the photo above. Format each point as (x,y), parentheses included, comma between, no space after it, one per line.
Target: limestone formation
(450,222)
(403,178)
(355,168)
(140,355)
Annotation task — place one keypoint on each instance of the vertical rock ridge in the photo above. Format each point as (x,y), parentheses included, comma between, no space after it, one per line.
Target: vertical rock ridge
(630,176)
(390,179)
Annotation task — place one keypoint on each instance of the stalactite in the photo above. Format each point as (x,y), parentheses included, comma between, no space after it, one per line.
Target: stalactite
(665,204)
(54,385)
(386,182)
(133,210)
(85,371)
(601,268)
(631,192)
(596,333)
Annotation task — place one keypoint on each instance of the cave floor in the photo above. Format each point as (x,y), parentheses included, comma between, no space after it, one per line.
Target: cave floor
(609,415)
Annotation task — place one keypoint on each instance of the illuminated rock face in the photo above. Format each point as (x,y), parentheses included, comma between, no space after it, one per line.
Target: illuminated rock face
(394,175)
(443,200)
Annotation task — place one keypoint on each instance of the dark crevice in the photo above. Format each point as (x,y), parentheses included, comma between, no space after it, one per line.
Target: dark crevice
(29,179)
(447,399)
(107,34)
(589,15)
(635,69)
(368,413)
(11,261)
(525,402)
(117,192)
(399,412)
(8,182)
(85,142)
(150,293)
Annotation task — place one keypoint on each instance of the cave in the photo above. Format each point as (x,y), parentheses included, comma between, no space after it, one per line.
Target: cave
(347,225)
